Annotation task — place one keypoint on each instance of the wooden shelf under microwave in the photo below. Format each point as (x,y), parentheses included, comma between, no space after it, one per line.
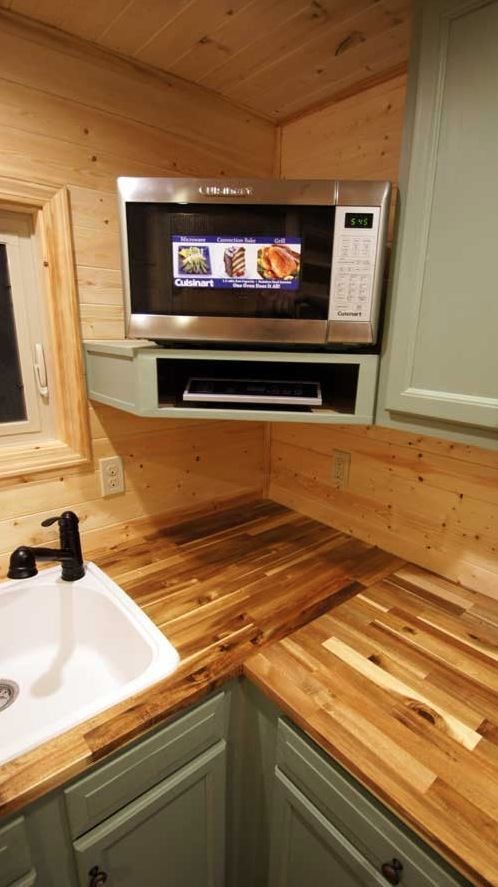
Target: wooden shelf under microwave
(141,378)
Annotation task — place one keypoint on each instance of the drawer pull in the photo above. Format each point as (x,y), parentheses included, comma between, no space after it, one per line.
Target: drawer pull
(392,871)
(97,877)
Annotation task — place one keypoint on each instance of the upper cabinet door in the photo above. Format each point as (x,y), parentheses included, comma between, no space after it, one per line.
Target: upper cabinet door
(442,341)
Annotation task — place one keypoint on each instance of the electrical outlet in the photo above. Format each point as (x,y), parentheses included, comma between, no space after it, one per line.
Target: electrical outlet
(111,476)
(340,468)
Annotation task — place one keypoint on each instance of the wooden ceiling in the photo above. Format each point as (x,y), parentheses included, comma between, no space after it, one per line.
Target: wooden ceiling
(280,58)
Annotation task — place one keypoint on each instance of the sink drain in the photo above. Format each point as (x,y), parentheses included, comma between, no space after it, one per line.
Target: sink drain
(9,692)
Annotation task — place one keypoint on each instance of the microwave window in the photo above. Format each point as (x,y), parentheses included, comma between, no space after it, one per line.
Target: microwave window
(230,261)
(264,263)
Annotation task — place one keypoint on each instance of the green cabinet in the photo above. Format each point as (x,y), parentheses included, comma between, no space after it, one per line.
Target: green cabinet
(308,849)
(440,368)
(173,834)
(229,794)
(16,869)
(326,830)
(150,815)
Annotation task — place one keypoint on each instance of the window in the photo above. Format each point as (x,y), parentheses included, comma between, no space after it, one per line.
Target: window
(44,422)
(25,400)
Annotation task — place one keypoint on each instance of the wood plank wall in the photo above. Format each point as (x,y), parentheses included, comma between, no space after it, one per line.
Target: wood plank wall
(426,499)
(75,116)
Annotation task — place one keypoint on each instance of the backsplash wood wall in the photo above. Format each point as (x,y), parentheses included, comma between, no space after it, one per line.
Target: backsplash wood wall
(422,498)
(75,116)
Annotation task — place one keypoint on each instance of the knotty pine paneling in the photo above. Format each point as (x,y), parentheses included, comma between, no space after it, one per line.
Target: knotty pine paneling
(429,500)
(170,466)
(356,138)
(77,117)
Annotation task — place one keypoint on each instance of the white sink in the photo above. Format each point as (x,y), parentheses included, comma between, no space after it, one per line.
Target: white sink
(71,650)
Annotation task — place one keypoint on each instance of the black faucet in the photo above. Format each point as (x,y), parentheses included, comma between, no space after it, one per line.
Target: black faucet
(23,560)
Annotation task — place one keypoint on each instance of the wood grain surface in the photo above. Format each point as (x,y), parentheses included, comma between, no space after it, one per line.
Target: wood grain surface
(429,500)
(277,57)
(218,586)
(399,684)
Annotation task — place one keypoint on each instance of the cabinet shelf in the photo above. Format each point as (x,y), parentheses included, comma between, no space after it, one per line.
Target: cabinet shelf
(141,378)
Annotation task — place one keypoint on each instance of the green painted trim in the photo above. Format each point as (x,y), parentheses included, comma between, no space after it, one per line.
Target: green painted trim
(126,378)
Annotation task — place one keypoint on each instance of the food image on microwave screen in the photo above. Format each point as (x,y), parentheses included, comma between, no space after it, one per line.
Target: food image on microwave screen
(278,262)
(194,260)
(234,259)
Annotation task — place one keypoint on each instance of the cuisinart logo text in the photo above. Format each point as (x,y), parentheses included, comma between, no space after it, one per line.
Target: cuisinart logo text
(225,191)
(180,281)
(349,313)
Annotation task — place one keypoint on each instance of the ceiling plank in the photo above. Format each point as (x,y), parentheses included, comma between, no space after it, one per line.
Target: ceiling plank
(187,28)
(277,58)
(137,24)
(351,51)
(220,45)
(284,45)
(84,20)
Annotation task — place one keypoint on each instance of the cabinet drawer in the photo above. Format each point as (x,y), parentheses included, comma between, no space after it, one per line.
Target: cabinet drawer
(108,789)
(372,830)
(15,858)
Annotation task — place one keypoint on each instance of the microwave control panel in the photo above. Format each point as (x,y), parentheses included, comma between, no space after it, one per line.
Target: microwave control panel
(356,235)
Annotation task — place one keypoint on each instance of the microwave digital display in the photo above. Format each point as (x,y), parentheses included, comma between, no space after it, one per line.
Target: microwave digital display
(236,263)
(358,220)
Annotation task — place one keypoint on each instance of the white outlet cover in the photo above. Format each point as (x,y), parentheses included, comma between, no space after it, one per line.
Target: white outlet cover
(111,476)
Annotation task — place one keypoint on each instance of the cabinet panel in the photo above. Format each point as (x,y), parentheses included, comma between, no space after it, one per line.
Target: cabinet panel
(443,360)
(15,858)
(113,785)
(363,823)
(308,849)
(173,834)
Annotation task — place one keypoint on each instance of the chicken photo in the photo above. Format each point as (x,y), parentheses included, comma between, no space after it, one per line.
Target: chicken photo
(278,263)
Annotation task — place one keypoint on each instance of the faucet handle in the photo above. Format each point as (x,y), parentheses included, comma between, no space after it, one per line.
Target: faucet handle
(49,521)
(66,516)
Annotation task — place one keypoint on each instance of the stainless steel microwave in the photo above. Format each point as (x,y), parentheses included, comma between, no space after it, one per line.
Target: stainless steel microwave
(253,260)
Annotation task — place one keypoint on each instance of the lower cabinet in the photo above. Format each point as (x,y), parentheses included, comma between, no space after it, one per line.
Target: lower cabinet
(326,830)
(16,869)
(173,834)
(154,814)
(308,849)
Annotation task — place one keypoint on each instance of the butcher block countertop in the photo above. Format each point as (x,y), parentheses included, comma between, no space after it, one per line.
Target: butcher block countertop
(399,684)
(219,586)
(389,668)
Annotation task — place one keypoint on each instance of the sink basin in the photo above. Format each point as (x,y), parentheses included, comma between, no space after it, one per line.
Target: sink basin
(69,650)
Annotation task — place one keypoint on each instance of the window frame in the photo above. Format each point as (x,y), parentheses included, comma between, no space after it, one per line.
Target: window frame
(17,234)
(71,442)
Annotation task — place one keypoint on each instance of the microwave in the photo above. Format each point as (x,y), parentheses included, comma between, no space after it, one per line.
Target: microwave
(251,261)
